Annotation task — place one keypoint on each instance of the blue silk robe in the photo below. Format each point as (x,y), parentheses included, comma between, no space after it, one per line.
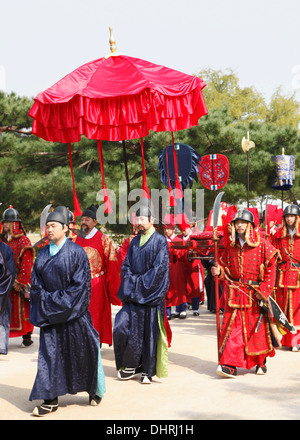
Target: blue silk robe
(69,354)
(144,285)
(7,277)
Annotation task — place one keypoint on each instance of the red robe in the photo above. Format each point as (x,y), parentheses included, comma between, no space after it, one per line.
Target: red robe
(192,273)
(105,282)
(287,292)
(177,290)
(24,255)
(253,264)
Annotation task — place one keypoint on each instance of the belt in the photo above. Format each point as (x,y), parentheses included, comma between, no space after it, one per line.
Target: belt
(97,275)
(253,283)
(291,265)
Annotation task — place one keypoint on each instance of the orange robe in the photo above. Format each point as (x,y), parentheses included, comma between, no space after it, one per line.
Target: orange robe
(105,282)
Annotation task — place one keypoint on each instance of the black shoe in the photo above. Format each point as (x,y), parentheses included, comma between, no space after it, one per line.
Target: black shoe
(129,373)
(45,408)
(261,369)
(227,371)
(26,343)
(145,379)
(94,401)
(196,313)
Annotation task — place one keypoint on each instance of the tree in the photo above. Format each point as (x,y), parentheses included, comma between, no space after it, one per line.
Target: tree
(35,173)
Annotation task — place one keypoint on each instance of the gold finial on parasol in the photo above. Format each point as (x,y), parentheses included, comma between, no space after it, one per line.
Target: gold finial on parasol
(112,42)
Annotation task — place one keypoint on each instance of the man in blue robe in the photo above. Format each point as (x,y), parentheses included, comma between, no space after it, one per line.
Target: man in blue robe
(69,354)
(7,277)
(139,335)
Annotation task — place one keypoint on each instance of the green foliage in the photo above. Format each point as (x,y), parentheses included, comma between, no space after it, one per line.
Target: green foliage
(34,173)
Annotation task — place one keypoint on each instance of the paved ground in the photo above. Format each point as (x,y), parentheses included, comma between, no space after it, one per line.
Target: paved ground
(192,391)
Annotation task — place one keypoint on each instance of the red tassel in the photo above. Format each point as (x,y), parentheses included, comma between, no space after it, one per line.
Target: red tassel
(179,194)
(107,202)
(144,184)
(171,195)
(77,209)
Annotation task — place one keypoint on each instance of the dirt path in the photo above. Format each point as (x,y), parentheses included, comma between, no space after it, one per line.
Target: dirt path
(192,391)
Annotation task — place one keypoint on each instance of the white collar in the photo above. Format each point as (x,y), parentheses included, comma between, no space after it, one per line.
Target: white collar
(172,237)
(92,233)
(242,242)
(292,232)
(186,237)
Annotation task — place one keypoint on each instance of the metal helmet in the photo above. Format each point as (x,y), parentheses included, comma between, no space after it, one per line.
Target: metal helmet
(60,214)
(244,214)
(71,216)
(291,210)
(11,215)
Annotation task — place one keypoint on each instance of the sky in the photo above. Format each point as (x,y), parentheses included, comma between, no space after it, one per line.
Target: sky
(41,41)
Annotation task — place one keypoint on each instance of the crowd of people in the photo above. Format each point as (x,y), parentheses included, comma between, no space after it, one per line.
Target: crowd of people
(67,285)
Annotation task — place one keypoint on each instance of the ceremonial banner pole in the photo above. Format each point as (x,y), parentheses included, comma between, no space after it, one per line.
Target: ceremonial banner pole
(216,210)
(246,145)
(285,173)
(266,220)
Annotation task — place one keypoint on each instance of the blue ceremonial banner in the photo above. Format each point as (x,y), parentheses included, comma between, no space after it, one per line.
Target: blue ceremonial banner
(285,172)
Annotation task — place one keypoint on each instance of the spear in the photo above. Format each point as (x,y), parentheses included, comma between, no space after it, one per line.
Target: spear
(216,210)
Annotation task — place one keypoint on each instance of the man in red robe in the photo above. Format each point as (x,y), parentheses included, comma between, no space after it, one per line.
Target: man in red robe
(192,272)
(104,273)
(288,286)
(15,235)
(177,290)
(249,265)
(122,251)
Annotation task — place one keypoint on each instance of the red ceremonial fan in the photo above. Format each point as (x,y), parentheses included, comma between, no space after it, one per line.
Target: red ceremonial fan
(214,171)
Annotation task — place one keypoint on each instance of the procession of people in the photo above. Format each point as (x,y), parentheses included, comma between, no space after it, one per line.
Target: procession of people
(67,287)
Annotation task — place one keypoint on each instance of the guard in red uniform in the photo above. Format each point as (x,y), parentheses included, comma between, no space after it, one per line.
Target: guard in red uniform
(249,264)
(15,235)
(288,285)
(192,272)
(104,273)
(177,290)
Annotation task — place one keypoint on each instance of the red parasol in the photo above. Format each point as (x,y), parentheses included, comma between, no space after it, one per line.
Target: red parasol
(116,98)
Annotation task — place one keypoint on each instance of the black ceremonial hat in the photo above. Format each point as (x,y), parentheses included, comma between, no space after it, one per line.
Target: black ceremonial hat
(145,209)
(91,212)
(60,214)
